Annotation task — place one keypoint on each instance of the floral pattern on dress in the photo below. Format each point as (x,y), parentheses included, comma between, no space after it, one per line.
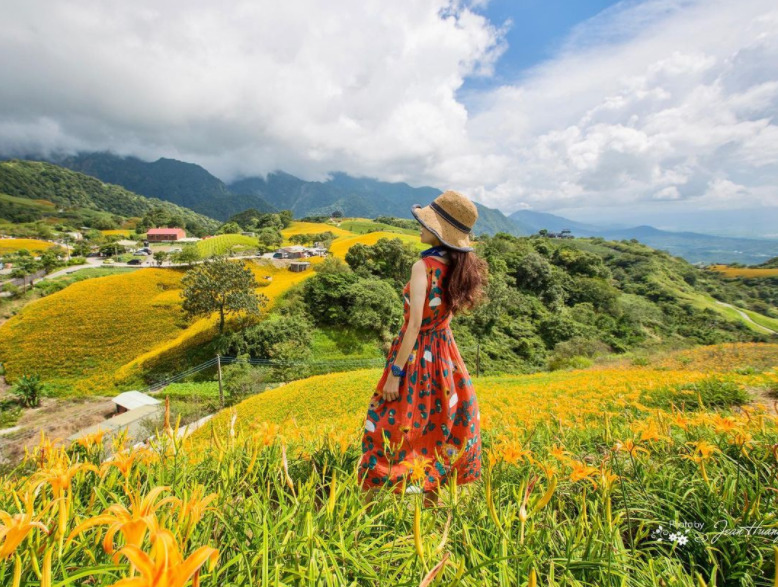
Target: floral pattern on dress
(436,415)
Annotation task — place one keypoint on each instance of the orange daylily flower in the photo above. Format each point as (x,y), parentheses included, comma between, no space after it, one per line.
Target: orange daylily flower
(15,528)
(165,566)
(418,468)
(132,523)
(629,446)
(582,471)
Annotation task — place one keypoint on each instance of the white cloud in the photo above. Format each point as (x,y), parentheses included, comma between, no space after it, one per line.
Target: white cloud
(685,101)
(307,86)
(650,104)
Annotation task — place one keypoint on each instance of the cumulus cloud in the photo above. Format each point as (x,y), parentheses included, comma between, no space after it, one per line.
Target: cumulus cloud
(307,86)
(651,103)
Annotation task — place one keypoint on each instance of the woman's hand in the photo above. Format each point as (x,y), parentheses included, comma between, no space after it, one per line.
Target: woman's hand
(391,388)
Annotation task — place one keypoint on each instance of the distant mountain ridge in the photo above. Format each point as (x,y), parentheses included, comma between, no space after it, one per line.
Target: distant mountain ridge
(185,184)
(190,185)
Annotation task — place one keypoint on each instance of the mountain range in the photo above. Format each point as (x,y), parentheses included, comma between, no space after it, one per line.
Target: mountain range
(191,186)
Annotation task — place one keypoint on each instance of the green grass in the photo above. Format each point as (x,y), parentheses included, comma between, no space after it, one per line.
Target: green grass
(90,273)
(336,343)
(762,320)
(220,245)
(39,205)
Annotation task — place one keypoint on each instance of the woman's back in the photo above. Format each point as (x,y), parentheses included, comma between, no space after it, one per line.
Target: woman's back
(436,314)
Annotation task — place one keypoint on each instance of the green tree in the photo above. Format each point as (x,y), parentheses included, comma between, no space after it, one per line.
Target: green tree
(160,257)
(269,239)
(220,285)
(112,249)
(242,379)
(24,265)
(50,260)
(189,255)
(229,228)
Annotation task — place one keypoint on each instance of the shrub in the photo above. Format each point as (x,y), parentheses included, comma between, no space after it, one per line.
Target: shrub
(241,380)
(577,362)
(29,390)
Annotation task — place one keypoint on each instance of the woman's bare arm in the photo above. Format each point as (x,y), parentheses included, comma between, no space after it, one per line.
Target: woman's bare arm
(417,295)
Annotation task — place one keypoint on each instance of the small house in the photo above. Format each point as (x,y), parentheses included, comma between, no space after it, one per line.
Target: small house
(298,266)
(293,252)
(158,235)
(129,400)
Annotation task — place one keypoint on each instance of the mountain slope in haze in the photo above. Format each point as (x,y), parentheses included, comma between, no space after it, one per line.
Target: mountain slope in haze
(357,196)
(36,180)
(533,221)
(692,246)
(185,184)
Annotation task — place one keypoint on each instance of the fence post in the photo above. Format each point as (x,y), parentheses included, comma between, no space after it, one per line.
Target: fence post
(219,370)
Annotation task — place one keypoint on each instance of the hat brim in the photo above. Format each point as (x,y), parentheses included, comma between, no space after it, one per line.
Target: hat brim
(449,236)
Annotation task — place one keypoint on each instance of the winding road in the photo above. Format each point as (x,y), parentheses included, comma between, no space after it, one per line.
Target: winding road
(747,318)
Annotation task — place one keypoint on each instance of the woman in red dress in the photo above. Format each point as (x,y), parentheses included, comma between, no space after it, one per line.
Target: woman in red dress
(422,423)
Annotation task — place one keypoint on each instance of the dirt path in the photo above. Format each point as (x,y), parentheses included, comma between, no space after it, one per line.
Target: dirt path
(58,418)
(746,317)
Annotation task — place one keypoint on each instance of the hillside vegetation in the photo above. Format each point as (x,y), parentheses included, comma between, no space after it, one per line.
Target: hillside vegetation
(74,192)
(550,305)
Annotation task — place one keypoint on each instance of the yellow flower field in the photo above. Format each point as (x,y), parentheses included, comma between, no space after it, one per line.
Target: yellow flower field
(206,328)
(744,271)
(341,245)
(90,327)
(310,407)
(313,227)
(11,245)
(119,231)
(580,485)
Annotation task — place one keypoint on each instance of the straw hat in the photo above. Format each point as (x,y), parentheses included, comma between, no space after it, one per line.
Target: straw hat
(450,217)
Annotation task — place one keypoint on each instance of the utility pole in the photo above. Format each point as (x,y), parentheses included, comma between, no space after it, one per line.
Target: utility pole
(219,369)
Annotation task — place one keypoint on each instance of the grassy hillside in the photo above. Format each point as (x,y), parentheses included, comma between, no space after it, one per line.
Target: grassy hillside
(67,189)
(224,243)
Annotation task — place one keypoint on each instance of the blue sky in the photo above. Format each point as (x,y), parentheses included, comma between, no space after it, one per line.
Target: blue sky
(536,29)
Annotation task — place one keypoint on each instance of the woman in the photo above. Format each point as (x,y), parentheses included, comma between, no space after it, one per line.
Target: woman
(423,420)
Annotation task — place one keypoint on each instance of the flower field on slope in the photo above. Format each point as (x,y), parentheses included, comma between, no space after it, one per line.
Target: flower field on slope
(117,231)
(204,329)
(313,228)
(576,491)
(11,245)
(76,337)
(744,271)
(221,244)
(91,368)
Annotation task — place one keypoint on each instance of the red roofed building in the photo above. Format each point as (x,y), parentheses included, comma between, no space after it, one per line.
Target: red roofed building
(156,235)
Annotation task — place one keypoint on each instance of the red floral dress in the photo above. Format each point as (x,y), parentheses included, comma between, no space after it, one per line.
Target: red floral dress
(436,415)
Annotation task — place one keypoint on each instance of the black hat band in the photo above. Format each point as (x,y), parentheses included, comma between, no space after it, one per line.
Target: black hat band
(450,219)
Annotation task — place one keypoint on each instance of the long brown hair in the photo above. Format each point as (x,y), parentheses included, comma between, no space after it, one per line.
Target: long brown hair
(467,279)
